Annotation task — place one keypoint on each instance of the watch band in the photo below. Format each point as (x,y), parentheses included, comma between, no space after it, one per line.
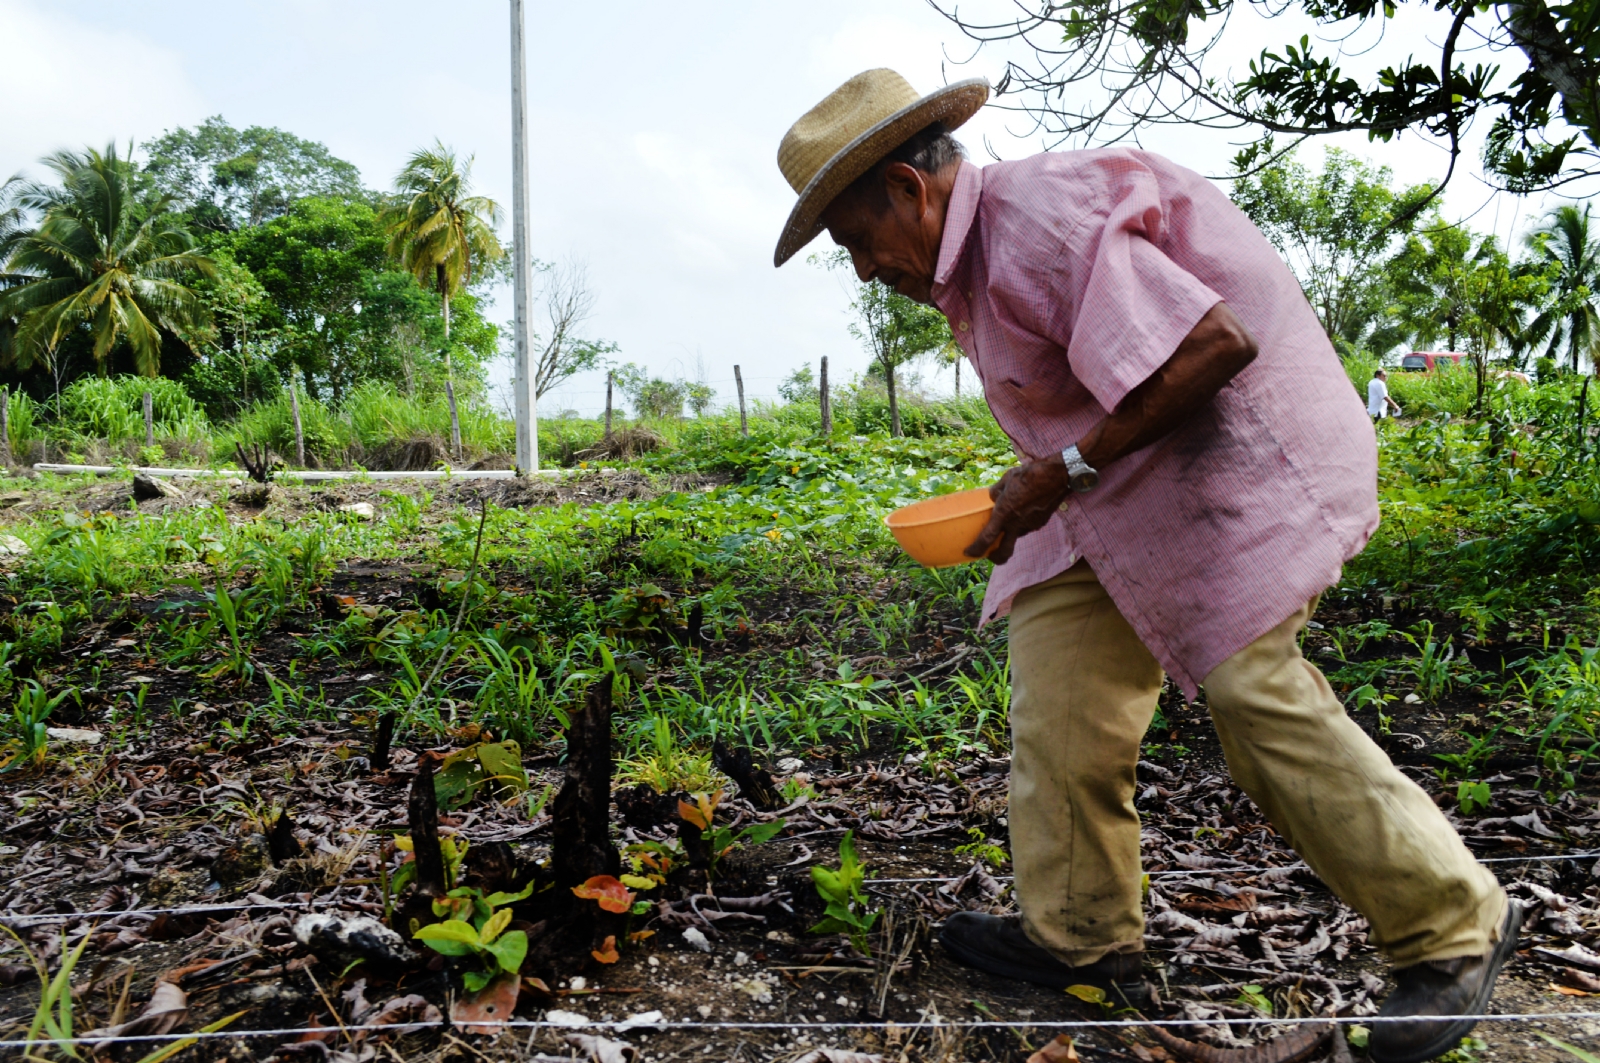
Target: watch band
(1080,474)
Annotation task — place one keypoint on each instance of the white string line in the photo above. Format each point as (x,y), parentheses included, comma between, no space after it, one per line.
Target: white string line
(62,917)
(623,1026)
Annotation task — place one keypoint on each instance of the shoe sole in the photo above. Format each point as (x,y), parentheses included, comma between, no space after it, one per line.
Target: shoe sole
(1117,992)
(1450,1036)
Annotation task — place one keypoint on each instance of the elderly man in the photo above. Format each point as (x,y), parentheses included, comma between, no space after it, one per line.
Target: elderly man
(1195,469)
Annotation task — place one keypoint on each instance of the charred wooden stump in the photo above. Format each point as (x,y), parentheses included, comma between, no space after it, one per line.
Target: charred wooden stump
(381,744)
(754,782)
(581,830)
(580,841)
(281,843)
(422,814)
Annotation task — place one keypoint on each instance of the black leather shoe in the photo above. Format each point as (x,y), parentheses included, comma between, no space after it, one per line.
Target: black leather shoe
(1440,987)
(998,945)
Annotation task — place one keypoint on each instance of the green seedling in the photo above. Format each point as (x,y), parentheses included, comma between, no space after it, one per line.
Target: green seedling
(29,735)
(846,905)
(475,925)
(981,848)
(1473,796)
(719,839)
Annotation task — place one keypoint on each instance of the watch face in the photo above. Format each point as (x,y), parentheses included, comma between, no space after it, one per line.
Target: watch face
(1085,480)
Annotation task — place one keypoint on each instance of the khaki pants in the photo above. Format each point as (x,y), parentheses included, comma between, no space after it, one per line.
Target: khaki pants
(1084,689)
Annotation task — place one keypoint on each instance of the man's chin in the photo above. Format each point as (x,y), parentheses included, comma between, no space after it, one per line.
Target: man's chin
(915,290)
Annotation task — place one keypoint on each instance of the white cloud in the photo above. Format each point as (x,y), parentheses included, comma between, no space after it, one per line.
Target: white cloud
(69,83)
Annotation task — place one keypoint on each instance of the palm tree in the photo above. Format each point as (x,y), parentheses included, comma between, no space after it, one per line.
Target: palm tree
(1572,259)
(99,260)
(437,231)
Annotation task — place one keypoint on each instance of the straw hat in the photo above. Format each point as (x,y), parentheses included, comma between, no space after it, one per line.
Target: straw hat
(846,134)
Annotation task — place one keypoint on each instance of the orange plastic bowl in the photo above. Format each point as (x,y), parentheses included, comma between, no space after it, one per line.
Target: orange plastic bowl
(935,531)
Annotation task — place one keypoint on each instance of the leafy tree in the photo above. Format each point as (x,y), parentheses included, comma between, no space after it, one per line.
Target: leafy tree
(1334,228)
(227,178)
(1460,288)
(799,386)
(237,302)
(100,263)
(438,230)
(894,330)
(653,398)
(1567,247)
(1101,69)
(341,314)
(700,396)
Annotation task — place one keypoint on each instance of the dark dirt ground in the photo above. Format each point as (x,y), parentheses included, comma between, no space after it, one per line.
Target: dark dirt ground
(104,840)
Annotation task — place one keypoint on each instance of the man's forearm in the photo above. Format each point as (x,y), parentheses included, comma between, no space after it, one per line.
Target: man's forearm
(1214,352)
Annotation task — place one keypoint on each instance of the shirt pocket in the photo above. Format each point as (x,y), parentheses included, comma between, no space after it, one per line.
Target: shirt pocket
(1045,385)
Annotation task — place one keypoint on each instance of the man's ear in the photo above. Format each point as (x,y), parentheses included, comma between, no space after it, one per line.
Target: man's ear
(906,184)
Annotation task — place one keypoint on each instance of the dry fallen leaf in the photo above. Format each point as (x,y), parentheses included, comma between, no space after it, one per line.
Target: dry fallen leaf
(1058,1051)
(168,1006)
(485,1010)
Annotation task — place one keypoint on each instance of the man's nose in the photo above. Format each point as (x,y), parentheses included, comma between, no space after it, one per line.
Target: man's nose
(865,268)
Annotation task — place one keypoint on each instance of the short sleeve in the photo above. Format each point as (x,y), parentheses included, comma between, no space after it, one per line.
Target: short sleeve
(1136,304)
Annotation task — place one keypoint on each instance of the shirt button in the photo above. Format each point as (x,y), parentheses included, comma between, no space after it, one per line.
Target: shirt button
(963,326)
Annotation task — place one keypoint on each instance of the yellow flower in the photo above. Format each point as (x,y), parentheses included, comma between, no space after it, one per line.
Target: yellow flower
(774,535)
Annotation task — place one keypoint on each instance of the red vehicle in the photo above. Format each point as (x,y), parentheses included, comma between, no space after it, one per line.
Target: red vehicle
(1428,361)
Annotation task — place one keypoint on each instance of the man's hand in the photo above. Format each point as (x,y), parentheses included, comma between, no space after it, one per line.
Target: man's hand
(1024,500)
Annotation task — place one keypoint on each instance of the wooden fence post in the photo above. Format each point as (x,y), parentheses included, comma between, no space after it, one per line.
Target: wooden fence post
(744,422)
(5,426)
(455,422)
(826,401)
(149,421)
(610,376)
(299,431)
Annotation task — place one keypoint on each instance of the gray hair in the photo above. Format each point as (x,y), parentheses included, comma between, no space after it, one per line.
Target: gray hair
(929,150)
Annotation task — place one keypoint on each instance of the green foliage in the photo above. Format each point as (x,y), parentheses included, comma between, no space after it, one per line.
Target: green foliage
(719,839)
(1473,796)
(893,329)
(1335,229)
(27,743)
(112,408)
(980,848)
(1569,249)
(225,178)
(846,905)
(340,314)
(475,925)
(100,267)
(1103,68)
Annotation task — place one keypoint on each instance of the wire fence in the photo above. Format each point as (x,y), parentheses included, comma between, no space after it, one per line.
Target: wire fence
(622,1026)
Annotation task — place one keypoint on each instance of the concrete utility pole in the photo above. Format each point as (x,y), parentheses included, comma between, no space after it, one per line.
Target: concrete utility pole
(526,402)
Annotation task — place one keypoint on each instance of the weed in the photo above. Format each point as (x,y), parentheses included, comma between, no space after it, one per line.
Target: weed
(981,848)
(476,925)
(721,840)
(29,738)
(848,911)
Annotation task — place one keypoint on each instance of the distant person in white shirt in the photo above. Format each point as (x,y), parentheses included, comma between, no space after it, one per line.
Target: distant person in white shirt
(1378,401)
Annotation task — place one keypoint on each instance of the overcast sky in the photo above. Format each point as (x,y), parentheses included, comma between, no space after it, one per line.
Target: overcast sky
(654,132)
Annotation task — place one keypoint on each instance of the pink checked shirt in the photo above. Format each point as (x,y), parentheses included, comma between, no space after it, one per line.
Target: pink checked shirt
(1069,278)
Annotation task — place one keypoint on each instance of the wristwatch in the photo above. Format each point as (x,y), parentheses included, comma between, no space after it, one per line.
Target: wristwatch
(1080,474)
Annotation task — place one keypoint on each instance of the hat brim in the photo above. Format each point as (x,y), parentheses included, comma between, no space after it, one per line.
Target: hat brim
(952,105)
